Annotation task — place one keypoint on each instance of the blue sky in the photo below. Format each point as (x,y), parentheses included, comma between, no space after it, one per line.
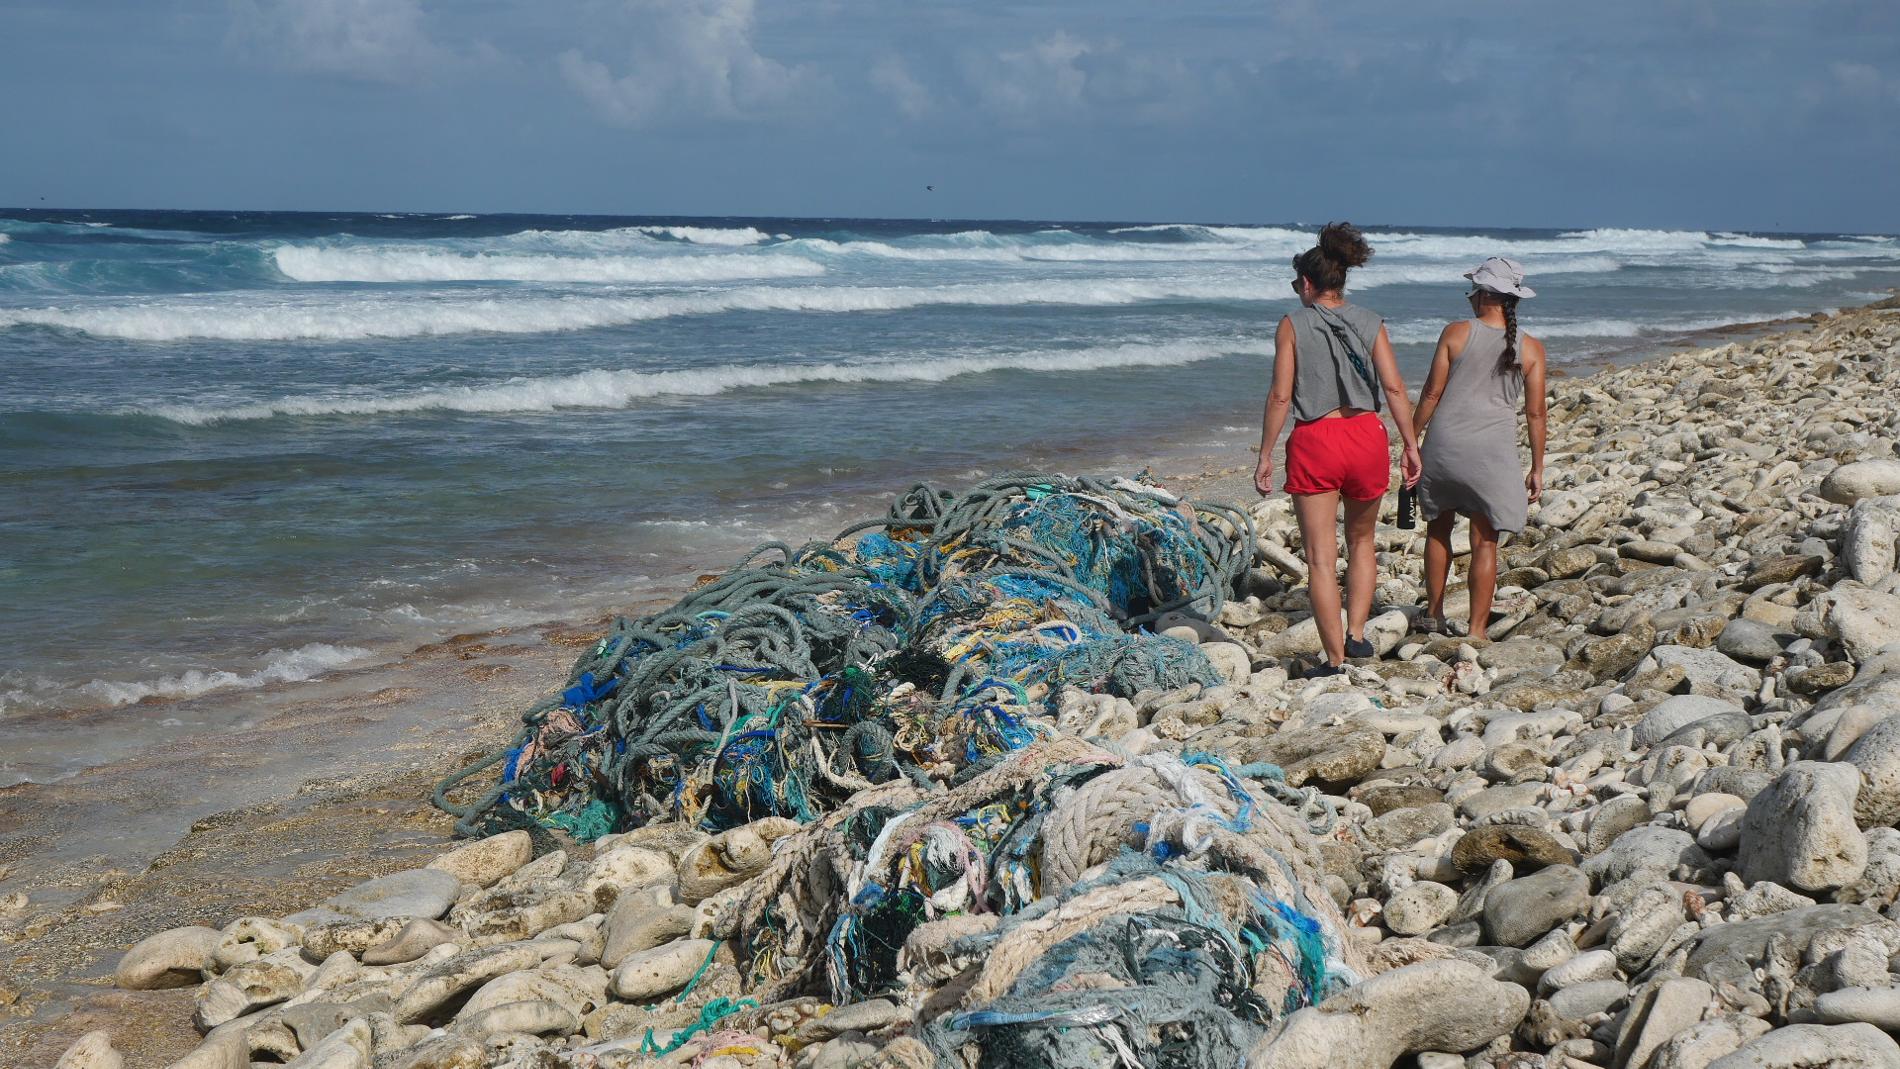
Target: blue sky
(1680,113)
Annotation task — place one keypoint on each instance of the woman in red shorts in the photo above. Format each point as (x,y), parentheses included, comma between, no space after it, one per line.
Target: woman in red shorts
(1332,362)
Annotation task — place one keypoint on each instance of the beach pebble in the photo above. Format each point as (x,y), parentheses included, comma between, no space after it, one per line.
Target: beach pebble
(1419,908)
(411,893)
(1678,712)
(1612,819)
(1875,755)
(1520,911)
(864,1017)
(1650,852)
(1526,848)
(1230,659)
(442,982)
(626,868)
(1705,807)
(1707,671)
(251,986)
(348,1047)
(528,1017)
(1748,640)
(484,862)
(1586,967)
(641,921)
(652,974)
(251,938)
(1860,621)
(94,1050)
(1731,952)
(1869,537)
(1722,832)
(1801,830)
(1701,1043)
(1806,1046)
(1446,1005)
(1877,1006)
(1861,479)
(1594,996)
(174,958)
(1660,1011)
(582,989)
(725,860)
(414,939)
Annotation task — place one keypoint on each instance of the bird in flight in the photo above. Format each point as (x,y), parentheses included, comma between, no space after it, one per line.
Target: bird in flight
(930,189)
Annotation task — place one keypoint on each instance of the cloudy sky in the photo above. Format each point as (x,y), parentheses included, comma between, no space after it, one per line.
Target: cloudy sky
(1686,113)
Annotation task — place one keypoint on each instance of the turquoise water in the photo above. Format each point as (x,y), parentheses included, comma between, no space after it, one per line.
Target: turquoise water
(246,448)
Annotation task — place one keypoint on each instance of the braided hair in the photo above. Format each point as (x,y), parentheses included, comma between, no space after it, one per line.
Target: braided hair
(1507,360)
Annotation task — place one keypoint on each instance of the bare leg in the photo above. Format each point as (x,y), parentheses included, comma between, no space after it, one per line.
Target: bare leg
(1438,562)
(1319,530)
(1484,573)
(1362,563)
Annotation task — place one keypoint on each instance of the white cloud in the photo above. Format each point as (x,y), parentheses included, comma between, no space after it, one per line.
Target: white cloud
(907,94)
(1029,83)
(371,40)
(1063,77)
(1865,80)
(688,57)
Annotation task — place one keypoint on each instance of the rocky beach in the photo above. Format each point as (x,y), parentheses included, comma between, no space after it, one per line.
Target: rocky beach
(1650,824)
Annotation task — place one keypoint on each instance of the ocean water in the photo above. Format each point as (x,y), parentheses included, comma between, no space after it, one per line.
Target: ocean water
(239,449)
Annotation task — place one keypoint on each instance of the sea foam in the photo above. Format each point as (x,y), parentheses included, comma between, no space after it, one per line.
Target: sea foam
(306,263)
(619,388)
(280,666)
(248,318)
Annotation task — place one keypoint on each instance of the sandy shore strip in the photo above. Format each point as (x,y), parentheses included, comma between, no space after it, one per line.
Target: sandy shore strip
(326,787)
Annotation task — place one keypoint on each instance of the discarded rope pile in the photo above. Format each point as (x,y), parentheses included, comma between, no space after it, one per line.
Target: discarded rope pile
(1170,907)
(907,647)
(917,694)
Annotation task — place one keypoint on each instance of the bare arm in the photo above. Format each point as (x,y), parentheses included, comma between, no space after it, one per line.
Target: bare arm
(1435,379)
(1279,403)
(1536,411)
(1400,402)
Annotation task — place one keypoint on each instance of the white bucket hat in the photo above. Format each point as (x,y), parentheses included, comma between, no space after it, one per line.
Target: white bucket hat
(1501,275)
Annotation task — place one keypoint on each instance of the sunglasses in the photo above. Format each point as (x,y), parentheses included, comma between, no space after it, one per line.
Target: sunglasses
(1296,286)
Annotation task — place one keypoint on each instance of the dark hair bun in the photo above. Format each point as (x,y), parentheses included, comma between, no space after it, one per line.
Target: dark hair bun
(1343,244)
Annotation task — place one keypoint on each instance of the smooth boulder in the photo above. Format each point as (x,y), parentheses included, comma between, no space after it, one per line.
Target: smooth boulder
(173,958)
(1443,1005)
(1800,832)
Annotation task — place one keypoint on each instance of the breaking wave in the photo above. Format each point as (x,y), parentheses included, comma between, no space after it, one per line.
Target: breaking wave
(227,318)
(605,389)
(280,666)
(305,263)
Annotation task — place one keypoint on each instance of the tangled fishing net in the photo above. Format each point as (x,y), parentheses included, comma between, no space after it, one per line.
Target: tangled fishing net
(895,693)
(905,647)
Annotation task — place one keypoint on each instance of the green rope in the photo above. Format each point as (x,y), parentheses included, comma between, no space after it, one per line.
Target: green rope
(714,1011)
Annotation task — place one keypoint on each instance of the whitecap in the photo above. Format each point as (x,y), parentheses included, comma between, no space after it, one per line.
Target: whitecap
(610,389)
(252,317)
(308,263)
(280,666)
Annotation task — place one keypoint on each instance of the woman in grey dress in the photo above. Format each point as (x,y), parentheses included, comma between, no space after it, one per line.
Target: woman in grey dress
(1482,373)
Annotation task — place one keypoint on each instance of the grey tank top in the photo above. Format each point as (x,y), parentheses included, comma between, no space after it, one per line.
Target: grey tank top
(1477,398)
(1324,377)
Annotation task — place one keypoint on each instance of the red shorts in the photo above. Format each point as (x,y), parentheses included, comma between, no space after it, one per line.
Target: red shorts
(1350,455)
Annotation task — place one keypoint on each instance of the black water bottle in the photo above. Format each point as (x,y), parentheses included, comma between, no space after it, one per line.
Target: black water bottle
(1408,517)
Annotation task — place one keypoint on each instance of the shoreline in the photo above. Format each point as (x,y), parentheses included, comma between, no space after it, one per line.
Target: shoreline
(387,653)
(282,810)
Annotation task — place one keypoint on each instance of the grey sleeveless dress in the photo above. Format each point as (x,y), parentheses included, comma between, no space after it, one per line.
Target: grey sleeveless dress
(1470,450)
